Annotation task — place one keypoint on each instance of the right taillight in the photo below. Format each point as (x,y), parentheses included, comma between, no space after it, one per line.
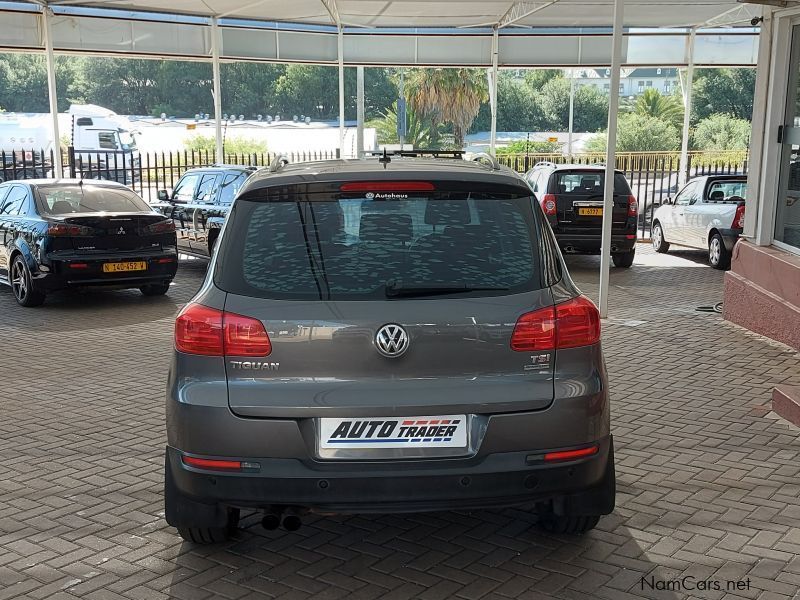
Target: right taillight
(211,332)
(738,218)
(570,324)
(549,204)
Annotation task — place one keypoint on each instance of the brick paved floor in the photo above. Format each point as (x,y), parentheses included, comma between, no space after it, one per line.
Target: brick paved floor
(708,478)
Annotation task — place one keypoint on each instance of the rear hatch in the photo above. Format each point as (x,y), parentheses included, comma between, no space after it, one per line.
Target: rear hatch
(579,200)
(326,272)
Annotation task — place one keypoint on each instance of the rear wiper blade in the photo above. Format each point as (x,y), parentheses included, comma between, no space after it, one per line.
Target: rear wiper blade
(396,290)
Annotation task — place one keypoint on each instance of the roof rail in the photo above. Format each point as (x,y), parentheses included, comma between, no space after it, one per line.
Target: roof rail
(457,154)
(280,161)
(487,159)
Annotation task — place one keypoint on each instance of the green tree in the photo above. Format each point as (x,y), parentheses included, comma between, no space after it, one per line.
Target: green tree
(722,132)
(249,88)
(655,104)
(23,82)
(535,79)
(420,132)
(517,109)
(639,133)
(447,95)
(728,91)
(590,110)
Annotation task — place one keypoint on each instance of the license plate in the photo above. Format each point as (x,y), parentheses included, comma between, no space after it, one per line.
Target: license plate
(590,212)
(448,431)
(121,267)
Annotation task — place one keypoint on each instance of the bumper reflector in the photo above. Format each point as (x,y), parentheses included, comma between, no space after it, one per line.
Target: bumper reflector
(78,266)
(166,260)
(571,454)
(217,465)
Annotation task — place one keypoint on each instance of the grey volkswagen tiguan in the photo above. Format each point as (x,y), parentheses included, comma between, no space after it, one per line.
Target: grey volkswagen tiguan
(390,335)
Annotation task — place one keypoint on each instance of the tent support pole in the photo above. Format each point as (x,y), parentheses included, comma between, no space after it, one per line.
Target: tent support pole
(611,156)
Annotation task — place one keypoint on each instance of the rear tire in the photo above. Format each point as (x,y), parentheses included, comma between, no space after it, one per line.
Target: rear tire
(211,535)
(22,284)
(718,255)
(576,525)
(660,245)
(155,289)
(624,260)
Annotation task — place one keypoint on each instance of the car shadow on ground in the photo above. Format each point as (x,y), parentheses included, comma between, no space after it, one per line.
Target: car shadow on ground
(432,555)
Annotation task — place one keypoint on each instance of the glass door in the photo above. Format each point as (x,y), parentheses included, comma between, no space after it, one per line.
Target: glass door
(787,218)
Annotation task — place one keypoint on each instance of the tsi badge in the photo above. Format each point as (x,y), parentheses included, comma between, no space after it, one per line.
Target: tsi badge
(539,362)
(254,365)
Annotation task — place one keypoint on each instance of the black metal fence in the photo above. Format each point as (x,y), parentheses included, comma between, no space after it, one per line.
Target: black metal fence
(653,176)
(145,172)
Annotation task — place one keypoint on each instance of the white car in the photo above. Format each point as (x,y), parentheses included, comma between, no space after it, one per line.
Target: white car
(708,213)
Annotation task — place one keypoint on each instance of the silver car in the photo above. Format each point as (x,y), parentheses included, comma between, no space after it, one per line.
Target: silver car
(392,335)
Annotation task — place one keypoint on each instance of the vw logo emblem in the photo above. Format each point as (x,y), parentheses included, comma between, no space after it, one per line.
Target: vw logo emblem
(391,340)
(369,195)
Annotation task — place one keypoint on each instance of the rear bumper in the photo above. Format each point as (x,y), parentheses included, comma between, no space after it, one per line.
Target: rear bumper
(590,243)
(61,274)
(730,237)
(505,479)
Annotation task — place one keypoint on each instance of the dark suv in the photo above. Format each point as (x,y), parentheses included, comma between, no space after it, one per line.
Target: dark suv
(386,335)
(199,204)
(571,197)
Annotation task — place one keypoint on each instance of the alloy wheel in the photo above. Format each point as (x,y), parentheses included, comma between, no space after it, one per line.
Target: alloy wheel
(19,281)
(657,236)
(714,251)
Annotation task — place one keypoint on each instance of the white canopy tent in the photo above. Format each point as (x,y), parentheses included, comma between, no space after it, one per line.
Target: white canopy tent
(479,33)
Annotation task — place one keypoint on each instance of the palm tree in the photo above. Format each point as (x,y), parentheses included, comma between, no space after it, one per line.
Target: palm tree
(652,103)
(420,133)
(447,95)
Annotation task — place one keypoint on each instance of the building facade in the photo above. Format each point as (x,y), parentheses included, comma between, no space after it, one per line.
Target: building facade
(633,82)
(762,289)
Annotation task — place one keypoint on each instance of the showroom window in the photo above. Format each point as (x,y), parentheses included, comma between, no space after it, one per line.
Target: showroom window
(787,217)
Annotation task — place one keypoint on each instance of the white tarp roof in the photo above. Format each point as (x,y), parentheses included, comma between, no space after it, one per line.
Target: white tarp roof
(448,13)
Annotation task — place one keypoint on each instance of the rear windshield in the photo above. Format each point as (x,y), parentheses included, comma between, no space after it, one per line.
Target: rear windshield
(362,248)
(727,190)
(66,199)
(588,183)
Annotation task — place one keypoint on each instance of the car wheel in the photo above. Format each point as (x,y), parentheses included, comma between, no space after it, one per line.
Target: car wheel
(718,255)
(567,524)
(211,535)
(155,289)
(22,284)
(660,245)
(624,259)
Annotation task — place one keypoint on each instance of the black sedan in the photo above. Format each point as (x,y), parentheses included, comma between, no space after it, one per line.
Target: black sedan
(58,234)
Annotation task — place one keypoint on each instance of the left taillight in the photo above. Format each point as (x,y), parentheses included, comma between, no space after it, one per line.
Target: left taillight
(571,324)
(738,218)
(167,226)
(211,332)
(633,206)
(67,230)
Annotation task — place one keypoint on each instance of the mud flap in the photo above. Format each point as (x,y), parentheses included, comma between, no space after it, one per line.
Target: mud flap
(181,511)
(599,500)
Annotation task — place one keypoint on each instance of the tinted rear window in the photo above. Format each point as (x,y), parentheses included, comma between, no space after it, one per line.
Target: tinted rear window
(588,183)
(355,247)
(66,199)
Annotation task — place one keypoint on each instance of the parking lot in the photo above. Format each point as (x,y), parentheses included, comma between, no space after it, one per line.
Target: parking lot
(708,477)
